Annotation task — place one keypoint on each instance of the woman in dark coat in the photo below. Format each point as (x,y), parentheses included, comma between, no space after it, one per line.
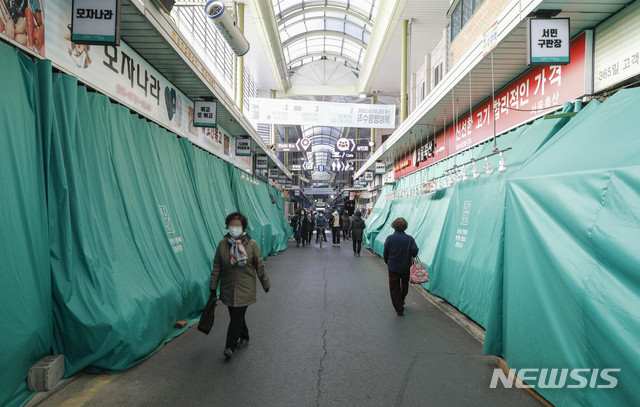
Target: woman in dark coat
(399,251)
(237,262)
(296,225)
(305,227)
(346,225)
(357,229)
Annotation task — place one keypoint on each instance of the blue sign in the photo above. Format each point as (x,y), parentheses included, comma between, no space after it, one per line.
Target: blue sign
(321,168)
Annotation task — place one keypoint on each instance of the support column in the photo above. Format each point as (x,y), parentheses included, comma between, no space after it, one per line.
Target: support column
(403,71)
(273,126)
(240,72)
(286,153)
(374,100)
(357,154)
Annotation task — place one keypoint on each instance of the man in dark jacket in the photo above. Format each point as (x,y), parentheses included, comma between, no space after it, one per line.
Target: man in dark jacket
(356,228)
(399,251)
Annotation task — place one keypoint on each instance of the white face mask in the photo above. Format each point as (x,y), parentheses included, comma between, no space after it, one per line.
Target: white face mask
(235,231)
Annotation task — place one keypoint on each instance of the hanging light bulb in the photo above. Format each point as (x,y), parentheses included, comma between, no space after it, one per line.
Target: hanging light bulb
(502,167)
(438,185)
(487,167)
(476,174)
(465,177)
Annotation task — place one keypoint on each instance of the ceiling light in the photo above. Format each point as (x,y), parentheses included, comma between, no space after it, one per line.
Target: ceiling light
(502,167)
(476,174)
(362,95)
(465,177)
(487,167)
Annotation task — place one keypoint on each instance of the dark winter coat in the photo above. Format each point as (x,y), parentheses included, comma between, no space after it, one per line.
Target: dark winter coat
(321,222)
(346,223)
(357,228)
(398,250)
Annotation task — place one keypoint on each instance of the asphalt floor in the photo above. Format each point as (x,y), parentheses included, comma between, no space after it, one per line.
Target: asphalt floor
(325,335)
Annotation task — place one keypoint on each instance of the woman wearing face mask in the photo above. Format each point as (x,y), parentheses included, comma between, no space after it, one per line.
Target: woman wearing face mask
(236,263)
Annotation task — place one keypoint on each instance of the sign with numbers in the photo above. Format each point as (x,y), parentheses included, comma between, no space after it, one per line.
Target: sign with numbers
(95,22)
(548,41)
(617,48)
(538,91)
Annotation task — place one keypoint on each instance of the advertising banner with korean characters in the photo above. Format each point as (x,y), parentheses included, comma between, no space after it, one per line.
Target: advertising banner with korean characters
(535,93)
(617,48)
(310,113)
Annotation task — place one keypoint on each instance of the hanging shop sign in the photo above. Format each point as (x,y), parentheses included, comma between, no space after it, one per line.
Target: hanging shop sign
(296,167)
(302,145)
(243,147)
(617,48)
(262,162)
(349,145)
(310,113)
(95,22)
(381,167)
(548,41)
(490,39)
(344,155)
(205,114)
(368,175)
(535,93)
(337,166)
(425,151)
(273,173)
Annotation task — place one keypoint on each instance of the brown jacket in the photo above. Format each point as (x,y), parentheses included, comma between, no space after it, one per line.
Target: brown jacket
(238,283)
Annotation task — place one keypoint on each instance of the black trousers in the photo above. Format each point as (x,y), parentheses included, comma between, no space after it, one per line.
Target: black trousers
(399,288)
(237,327)
(335,233)
(357,245)
(309,236)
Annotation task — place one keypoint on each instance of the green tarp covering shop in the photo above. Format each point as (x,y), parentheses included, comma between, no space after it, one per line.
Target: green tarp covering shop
(111,225)
(25,278)
(572,286)
(544,255)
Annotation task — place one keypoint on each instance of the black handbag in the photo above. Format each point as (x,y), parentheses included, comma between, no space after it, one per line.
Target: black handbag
(208,315)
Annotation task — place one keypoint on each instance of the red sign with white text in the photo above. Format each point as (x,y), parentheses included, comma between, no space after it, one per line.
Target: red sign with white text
(534,93)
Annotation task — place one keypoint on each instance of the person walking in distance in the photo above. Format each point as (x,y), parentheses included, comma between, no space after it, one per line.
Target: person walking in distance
(296,225)
(346,225)
(335,221)
(304,220)
(356,228)
(321,225)
(235,265)
(312,227)
(399,251)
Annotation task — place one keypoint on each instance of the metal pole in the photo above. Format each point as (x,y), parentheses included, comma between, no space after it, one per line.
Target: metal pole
(374,100)
(273,126)
(357,161)
(286,140)
(240,17)
(403,71)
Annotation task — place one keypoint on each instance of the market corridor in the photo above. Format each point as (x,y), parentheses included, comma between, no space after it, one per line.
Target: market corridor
(325,335)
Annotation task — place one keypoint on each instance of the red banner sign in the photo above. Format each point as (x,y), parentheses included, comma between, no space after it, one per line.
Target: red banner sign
(534,93)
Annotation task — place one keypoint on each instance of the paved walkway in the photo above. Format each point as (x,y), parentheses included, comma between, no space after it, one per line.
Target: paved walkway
(325,335)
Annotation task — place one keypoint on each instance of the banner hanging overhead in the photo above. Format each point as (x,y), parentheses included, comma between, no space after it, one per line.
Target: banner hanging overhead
(302,145)
(380,167)
(309,113)
(205,114)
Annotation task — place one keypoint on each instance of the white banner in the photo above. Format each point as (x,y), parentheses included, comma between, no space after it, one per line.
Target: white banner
(309,113)
(123,75)
(617,49)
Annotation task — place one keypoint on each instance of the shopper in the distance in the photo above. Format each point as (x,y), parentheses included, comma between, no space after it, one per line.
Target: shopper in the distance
(335,222)
(296,225)
(236,263)
(357,230)
(399,251)
(312,226)
(346,225)
(321,225)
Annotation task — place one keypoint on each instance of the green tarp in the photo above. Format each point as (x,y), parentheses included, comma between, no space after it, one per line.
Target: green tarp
(25,279)
(543,255)
(110,227)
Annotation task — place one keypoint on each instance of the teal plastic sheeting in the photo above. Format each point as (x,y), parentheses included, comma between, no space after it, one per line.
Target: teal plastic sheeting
(25,288)
(110,227)
(130,253)
(572,286)
(377,218)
